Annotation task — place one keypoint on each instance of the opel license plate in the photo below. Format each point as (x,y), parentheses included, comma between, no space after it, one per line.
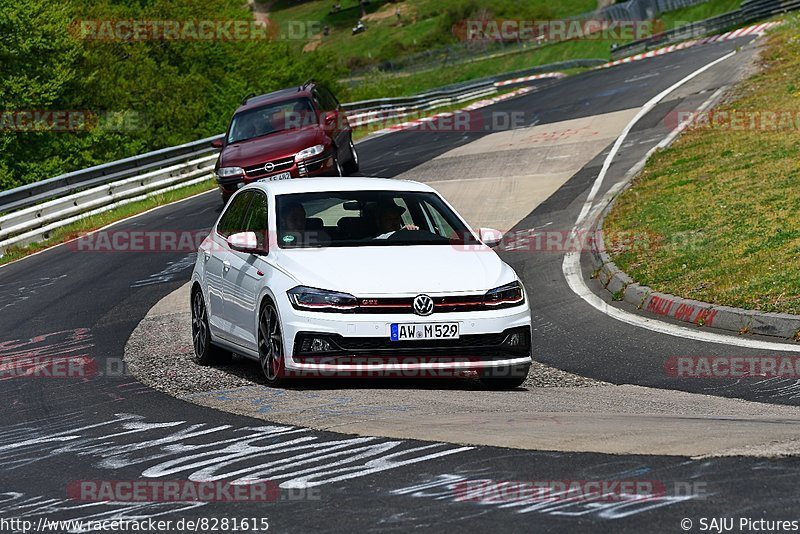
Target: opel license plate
(276,177)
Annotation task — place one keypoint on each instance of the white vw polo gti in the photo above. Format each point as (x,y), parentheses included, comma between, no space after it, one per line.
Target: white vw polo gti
(357,276)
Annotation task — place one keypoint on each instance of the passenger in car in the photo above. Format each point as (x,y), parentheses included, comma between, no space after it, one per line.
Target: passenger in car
(293,223)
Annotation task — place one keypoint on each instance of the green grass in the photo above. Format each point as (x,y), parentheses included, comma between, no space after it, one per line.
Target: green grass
(100,220)
(424,24)
(723,203)
(709,9)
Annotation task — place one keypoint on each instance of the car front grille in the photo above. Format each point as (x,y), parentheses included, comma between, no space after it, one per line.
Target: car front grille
(405,305)
(280,165)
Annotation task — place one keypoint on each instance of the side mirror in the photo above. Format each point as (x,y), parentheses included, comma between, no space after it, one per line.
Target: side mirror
(490,237)
(244,242)
(216,143)
(329,118)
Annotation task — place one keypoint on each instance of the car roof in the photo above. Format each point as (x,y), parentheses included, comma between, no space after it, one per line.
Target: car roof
(275,96)
(322,185)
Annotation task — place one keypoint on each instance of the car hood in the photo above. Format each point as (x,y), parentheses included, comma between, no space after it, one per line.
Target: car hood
(273,146)
(397,270)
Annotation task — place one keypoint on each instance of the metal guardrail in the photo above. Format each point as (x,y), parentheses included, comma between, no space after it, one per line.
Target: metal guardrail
(35,223)
(416,100)
(750,11)
(388,110)
(37,192)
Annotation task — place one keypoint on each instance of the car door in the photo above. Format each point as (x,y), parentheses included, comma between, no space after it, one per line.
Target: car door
(244,279)
(218,262)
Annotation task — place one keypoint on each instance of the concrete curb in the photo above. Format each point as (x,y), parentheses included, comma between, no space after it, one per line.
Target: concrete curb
(625,288)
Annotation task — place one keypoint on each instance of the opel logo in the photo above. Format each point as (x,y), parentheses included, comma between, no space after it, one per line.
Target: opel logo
(269,167)
(423,305)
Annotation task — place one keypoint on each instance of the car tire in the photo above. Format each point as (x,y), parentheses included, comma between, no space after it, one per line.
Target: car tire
(270,345)
(351,167)
(338,172)
(205,352)
(504,377)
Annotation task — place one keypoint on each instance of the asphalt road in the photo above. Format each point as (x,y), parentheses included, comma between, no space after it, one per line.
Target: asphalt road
(56,431)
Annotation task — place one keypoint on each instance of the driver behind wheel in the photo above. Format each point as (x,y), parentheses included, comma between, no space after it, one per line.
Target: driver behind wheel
(389,219)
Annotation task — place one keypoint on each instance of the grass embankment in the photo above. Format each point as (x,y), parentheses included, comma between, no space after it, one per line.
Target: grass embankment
(427,25)
(712,8)
(422,25)
(725,198)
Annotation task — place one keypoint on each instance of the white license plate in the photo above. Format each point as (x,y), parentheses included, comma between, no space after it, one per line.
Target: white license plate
(276,177)
(423,331)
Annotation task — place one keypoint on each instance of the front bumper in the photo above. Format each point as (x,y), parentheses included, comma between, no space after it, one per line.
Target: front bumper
(318,166)
(360,343)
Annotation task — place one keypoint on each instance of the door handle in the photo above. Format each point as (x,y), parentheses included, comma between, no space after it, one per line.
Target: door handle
(226,265)
(206,255)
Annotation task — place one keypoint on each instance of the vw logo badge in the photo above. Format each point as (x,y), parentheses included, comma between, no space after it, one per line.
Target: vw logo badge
(423,305)
(269,167)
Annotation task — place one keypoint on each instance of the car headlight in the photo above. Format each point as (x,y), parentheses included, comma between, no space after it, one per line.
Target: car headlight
(311,299)
(227,172)
(310,152)
(505,296)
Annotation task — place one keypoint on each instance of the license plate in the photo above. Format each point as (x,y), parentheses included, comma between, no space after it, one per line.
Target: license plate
(276,177)
(423,331)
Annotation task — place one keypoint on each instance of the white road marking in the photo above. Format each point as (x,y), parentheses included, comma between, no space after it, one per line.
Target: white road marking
(571,265)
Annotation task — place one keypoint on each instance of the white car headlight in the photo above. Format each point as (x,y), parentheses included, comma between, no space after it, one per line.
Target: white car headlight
(310,152)
(312,299)
(227,172)
(505,296)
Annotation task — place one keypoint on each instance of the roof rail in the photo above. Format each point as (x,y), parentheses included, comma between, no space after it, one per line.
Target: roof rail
(248,97)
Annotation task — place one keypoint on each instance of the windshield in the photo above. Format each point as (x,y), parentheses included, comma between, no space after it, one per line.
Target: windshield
(367,218)
(286,115)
